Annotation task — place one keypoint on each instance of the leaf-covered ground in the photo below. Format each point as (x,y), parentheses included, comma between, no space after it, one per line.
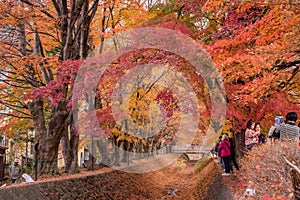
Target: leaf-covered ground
(265,170)
(177,180)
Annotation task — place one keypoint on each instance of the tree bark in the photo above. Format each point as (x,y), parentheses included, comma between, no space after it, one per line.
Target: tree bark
(66,150)
(103,28)
(56,128)
(102,144)
(92,159)
(74,140)
(47,139)
(75,18)
(37,112)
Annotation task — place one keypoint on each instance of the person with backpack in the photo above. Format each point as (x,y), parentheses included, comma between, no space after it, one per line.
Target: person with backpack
(274,131)
(224,148)
(289,131)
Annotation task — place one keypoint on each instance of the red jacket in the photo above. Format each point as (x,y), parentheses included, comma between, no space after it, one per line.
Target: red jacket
(224,148)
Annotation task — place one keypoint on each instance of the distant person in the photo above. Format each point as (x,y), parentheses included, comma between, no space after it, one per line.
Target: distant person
(250,137)
(260,135)
(232,155)
(274,130)
(15,172)
(224,148)
(219,153)
(276,133)
(289,131)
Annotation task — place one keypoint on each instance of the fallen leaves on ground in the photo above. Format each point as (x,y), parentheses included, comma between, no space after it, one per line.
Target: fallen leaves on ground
(264,169)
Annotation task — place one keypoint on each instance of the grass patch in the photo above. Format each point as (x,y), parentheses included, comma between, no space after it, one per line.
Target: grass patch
(202,162)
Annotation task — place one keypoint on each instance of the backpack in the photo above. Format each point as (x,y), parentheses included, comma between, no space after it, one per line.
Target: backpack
(275,134)
(217,150)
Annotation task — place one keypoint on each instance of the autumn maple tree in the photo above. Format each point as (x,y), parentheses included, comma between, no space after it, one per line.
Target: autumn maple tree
(254,45)
(35,38)
(144,132)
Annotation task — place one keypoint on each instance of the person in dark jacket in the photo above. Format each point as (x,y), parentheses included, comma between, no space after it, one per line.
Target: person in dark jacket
(224,149)
(232,155)
(218,152)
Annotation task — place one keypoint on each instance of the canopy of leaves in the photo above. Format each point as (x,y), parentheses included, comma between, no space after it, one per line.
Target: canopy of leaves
(255,45)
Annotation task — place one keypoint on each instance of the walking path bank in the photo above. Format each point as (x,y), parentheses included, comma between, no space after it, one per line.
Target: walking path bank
(177,180)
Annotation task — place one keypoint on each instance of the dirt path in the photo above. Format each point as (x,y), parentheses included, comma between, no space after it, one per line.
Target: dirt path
(178,180)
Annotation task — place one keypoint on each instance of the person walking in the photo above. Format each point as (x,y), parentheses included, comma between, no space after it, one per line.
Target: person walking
(15,172)
(224,149)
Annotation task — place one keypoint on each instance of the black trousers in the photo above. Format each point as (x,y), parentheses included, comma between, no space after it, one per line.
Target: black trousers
(14,180)
(233,161)
(226,161)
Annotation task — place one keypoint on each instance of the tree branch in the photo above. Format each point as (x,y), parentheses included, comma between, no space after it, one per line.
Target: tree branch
(10,105)
(56,6)
(14,107)
(291,165)
(12,115)
(180,11)
(14,85)
(285,65)
(35,6)
(9,94)
(48,34)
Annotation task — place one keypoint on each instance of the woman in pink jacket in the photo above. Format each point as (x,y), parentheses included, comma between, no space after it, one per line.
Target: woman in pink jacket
(224,149)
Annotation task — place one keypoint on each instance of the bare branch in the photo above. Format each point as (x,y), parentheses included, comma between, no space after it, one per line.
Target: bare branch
(54,2)
(12,115)
(292,165)
(44,33)
(36,6)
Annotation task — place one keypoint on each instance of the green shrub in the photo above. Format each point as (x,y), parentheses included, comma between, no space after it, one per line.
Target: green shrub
(202,162)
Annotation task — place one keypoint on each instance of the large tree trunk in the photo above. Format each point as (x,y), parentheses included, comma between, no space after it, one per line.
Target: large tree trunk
(57,126)
(47,139)
(74,152)
(75,27)
(92,152)
(74,141)
(49,155)
(37,111)
(66,150)
(73,20)
(70,149)
(102,144)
